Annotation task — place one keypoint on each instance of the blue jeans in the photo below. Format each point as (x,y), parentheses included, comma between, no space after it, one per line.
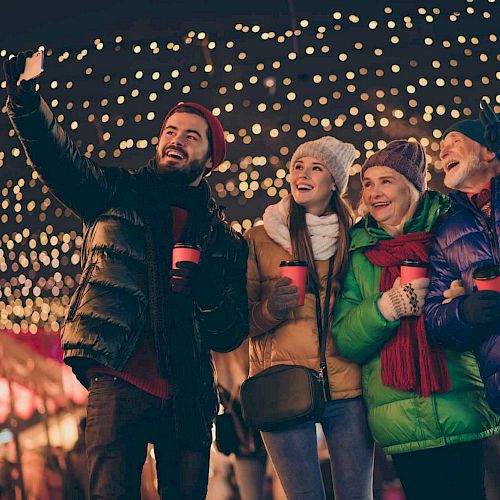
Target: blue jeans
(295,456)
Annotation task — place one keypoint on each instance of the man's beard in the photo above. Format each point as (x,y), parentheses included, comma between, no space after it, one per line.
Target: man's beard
(455,177)
(185,175)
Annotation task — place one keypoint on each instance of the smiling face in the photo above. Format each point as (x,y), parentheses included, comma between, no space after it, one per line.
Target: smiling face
(386,195)
(183,151)
(461,159)
(311,184)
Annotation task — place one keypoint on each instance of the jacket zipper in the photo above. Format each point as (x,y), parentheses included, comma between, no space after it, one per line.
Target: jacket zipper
(493,243)
(490,229)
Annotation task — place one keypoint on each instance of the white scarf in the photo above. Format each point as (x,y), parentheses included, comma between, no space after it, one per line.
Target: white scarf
(323,230)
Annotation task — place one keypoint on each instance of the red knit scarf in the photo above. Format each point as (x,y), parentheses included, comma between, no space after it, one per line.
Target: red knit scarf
(408,362)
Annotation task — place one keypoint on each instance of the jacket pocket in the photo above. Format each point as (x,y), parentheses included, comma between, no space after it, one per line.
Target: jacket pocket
(77,297)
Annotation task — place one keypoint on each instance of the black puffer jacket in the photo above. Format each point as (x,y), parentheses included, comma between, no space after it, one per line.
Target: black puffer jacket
(109,310)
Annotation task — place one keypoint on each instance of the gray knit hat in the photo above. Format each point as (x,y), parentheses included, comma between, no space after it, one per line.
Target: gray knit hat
(337,156)
(405,157)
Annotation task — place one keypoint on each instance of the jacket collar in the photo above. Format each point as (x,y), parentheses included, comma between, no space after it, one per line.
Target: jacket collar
(461,199)
(433,204)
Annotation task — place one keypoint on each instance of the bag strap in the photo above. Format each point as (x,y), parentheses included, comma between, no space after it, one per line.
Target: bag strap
(228,407)
(322,321)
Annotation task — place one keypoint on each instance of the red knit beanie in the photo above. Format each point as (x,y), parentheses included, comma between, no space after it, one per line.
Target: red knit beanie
(218,145)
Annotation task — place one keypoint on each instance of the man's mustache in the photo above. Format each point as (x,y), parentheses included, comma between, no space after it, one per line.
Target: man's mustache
(179,149)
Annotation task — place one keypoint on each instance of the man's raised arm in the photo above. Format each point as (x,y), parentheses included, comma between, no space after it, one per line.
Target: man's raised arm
(77,181)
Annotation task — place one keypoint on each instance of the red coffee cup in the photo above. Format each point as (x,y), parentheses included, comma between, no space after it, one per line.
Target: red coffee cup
(413,269)
(296,270)
(487,278)
(183,252)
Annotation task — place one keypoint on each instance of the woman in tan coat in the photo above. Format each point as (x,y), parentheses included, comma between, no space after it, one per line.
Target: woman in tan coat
(311,224)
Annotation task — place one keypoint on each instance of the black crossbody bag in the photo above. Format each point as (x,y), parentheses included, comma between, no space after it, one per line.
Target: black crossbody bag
(288,395)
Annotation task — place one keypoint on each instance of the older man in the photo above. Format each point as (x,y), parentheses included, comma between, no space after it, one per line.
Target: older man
(467,239)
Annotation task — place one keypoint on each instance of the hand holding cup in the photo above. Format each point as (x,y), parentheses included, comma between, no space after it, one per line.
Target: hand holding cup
(404,300)
(296,270)
(481,308)
(284,296)
(189,276)
(185,260)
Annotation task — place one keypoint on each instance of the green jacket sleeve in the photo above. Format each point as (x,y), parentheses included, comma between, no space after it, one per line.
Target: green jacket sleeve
(359,329)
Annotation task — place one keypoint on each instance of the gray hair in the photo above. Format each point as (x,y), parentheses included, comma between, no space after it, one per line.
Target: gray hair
(413,193)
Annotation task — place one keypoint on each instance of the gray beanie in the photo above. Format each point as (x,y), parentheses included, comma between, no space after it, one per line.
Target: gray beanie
(405,157)
(337,156)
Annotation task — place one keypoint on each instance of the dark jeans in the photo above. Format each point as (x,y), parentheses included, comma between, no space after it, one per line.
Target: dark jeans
(121,420)
(455,472)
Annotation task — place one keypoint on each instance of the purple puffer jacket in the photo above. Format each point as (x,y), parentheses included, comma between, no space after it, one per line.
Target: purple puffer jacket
(465,241)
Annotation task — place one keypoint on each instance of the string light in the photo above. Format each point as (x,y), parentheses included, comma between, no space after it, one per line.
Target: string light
(363,78)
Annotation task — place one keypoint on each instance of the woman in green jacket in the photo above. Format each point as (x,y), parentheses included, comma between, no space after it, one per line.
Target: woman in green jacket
(426,404)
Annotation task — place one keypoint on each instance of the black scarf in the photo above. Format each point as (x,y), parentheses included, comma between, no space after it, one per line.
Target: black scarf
(171,314)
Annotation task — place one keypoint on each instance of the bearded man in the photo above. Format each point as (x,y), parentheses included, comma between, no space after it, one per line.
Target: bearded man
(468,239)
(137,332)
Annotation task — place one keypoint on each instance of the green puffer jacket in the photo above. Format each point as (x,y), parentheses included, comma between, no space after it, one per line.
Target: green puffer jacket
(403,421)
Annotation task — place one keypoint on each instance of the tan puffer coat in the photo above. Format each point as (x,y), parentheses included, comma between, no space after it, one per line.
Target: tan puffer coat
(295,340)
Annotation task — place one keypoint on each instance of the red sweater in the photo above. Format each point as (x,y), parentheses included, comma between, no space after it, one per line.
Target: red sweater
(141,369)
(482,199)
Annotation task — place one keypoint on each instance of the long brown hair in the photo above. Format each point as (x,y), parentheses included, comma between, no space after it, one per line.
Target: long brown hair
(302,246)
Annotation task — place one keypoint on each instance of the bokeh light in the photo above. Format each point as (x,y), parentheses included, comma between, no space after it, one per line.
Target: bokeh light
(363,76)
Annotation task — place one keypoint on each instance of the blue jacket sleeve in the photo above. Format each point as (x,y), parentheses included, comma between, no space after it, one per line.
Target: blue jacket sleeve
(443,321)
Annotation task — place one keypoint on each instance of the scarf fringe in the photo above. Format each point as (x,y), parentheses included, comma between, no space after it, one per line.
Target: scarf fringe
(434,375)
(398,360)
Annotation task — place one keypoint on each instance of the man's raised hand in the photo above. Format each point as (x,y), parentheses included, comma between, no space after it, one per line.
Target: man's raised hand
(24,94)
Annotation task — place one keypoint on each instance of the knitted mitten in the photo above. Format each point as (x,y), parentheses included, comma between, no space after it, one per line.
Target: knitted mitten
(403,300)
